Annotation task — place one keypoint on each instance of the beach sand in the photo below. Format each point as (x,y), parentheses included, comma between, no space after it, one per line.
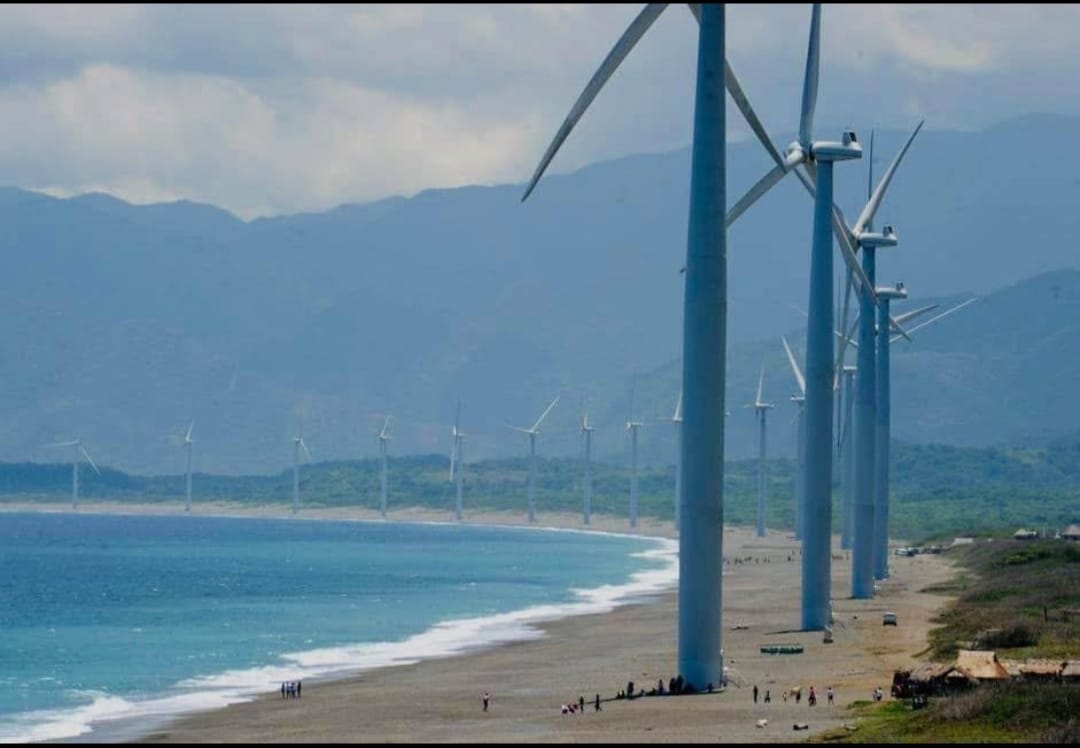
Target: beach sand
(440,700)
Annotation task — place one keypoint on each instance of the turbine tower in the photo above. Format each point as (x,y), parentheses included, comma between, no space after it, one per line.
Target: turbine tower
(298,444)
(633,427)
(800,439)
(188,441)
(532,432)
(761,408)
(847,459)
(78,452)
(457,439)
(586,433)
(881,482)
(384,437)
(704,326)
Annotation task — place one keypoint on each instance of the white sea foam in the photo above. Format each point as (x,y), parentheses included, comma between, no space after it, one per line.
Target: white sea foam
(443,639)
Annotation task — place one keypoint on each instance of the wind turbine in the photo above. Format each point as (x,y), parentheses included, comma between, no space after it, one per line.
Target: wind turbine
(862,583)
(78,452)
(800,439)
(298,444)
(761,408)
(188,441)
(884,425)
(676,421)
(384,437)
(633,427)
(586,433)
(532,432)
(457,438)
(704,326)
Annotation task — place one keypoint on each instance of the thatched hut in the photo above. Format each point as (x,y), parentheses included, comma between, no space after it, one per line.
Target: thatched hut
(981,665)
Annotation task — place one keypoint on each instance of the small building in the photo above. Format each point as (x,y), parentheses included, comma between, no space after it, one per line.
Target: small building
(1041,669)
(1072,532)
(981,664)
(962,541)
(1071,671)
(1023,534)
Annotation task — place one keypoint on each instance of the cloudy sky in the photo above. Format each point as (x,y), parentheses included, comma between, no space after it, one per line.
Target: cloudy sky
(277,109)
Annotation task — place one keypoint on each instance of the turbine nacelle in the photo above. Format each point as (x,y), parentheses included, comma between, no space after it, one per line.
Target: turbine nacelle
(892,292)
(828,150)
(873,240)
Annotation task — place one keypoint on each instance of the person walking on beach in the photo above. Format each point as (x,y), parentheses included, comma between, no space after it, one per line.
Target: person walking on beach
(755,694)
(283,689)
(486,698)
(767,698)
(829,694)
(298,684)
(597,702)
(581,704)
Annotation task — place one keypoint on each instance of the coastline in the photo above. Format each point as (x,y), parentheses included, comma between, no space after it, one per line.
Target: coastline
(437,698)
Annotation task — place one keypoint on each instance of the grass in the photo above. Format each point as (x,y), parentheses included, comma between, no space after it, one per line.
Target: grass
(1010,597)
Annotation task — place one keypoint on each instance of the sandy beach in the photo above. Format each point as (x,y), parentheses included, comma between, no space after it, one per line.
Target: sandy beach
(439,700)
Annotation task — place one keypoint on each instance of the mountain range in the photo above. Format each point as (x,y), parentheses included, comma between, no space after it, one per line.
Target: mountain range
(122,323)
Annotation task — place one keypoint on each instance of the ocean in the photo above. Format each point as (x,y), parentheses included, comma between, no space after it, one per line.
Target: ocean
(110,624)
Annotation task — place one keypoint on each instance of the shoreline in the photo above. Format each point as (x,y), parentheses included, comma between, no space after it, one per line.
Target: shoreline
(437,698)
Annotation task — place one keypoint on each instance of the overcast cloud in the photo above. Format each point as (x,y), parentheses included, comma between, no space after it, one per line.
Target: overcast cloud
(277,109)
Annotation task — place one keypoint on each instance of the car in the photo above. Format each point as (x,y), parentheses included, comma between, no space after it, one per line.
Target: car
(889,619)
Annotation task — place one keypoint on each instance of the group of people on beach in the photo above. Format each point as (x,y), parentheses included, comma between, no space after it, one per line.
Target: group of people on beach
(290,689)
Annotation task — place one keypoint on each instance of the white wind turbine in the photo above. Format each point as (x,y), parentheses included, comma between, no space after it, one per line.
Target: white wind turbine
(800,437)
(457,437)
(532,432)
(586,433)
(761,408)
(188,441)
(78,452)
(633,427)
(676,421)
(384,437)
(298,444)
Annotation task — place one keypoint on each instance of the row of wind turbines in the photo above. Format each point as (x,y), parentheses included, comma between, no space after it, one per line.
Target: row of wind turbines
(700,658)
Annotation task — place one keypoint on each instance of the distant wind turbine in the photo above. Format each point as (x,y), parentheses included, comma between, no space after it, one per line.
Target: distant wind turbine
(586,433)
(633,427)
(800,438)
(532,432)
(298,444)
(456,456)
(188,441)
(761,408)
(676,421)
(78,452)
(883,425)
(384,437)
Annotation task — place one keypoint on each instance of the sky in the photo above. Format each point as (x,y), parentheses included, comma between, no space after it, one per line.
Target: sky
(276,109)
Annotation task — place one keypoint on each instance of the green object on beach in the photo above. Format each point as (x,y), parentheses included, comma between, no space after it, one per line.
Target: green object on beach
(783,649)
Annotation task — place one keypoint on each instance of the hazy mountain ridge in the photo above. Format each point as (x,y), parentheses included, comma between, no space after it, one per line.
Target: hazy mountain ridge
(124,322)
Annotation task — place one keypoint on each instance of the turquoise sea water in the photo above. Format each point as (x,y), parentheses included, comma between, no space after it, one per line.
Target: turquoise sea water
(109,620)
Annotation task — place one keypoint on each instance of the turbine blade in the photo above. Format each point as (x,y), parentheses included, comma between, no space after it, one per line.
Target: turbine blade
(810,82)
(622,47)
(760,386)
(847,251)
(773,176)
(633,392)
(879,194)
(795,367)
(894,325)
(737,94)
(386,425)
(303,445)
(453,457)
(843,326)
(518,428)
(870,172)
(89,459)
(189,428)
(60,444)
(915,313)
(956,308)
(544,414)
(678,408)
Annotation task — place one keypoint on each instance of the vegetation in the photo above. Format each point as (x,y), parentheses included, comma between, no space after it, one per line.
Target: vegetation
(1012,599)
(937,490)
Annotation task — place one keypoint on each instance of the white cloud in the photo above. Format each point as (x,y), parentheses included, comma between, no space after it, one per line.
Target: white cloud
(280,108)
